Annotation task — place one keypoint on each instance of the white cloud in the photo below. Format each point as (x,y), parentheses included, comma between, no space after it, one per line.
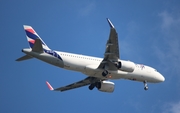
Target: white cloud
(167,49)
(169,20)
(172,108)
(87,9)
(168,46)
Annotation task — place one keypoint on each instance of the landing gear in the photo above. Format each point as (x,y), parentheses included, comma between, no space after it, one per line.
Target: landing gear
(91,87)
(96,84)
(104,73)
(146,88)
(145,85)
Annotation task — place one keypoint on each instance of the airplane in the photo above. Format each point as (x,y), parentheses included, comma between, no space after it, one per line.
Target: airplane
(99,71)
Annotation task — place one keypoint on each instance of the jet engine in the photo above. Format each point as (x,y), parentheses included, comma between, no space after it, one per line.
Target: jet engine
(127,66)
(105,86)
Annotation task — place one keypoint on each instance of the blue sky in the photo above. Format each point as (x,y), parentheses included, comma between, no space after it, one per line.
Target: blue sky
(148,34)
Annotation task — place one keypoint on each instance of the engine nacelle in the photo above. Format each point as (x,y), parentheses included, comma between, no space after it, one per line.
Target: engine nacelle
(106,86)
(127,66)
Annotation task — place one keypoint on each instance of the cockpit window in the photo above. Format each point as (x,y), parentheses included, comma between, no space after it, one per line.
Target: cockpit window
(155,70)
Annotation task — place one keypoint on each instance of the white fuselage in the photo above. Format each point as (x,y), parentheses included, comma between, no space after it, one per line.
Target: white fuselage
(89,66)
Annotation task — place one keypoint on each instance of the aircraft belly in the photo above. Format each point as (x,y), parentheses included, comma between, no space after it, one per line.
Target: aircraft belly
(139,75)
(116,74)
(52,60)
(74,65)
(98,73)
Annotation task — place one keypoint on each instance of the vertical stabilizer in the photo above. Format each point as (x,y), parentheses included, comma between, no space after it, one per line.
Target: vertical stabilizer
(32,36)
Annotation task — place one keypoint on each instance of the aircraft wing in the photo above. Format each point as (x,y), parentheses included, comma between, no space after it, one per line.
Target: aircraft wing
(78,84)
(112,50)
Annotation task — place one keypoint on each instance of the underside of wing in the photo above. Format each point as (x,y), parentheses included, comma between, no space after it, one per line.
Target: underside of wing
(112,46)
(86,81)
(111,54)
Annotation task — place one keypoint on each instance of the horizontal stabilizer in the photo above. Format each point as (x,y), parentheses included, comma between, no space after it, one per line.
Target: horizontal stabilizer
(37,46)
(26,57)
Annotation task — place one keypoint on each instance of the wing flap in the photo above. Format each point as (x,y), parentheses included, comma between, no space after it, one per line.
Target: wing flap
(73,86)
(78,84)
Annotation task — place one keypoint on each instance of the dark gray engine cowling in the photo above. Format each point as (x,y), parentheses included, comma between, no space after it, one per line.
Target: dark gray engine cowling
(127,66)
(106,86)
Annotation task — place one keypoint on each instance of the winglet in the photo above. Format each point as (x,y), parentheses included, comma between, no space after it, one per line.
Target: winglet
(49,86)
(110,23)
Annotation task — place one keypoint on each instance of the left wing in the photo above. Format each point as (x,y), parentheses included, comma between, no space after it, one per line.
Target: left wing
(86,81)
(112,50)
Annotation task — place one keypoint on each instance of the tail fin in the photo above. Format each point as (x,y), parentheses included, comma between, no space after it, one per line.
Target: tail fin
(32,36)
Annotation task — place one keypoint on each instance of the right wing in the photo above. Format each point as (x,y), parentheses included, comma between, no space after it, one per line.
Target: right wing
(86,81)
(112,50)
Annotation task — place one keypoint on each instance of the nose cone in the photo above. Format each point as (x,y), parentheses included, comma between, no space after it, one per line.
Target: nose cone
(160,78)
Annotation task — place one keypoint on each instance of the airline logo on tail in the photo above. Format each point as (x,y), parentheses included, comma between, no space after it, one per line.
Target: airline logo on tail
(38,46)
(32,36)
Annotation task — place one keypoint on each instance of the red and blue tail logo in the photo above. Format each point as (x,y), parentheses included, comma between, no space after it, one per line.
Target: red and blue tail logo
(32,36)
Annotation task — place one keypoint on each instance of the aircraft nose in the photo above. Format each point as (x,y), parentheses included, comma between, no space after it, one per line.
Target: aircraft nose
(160,78)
